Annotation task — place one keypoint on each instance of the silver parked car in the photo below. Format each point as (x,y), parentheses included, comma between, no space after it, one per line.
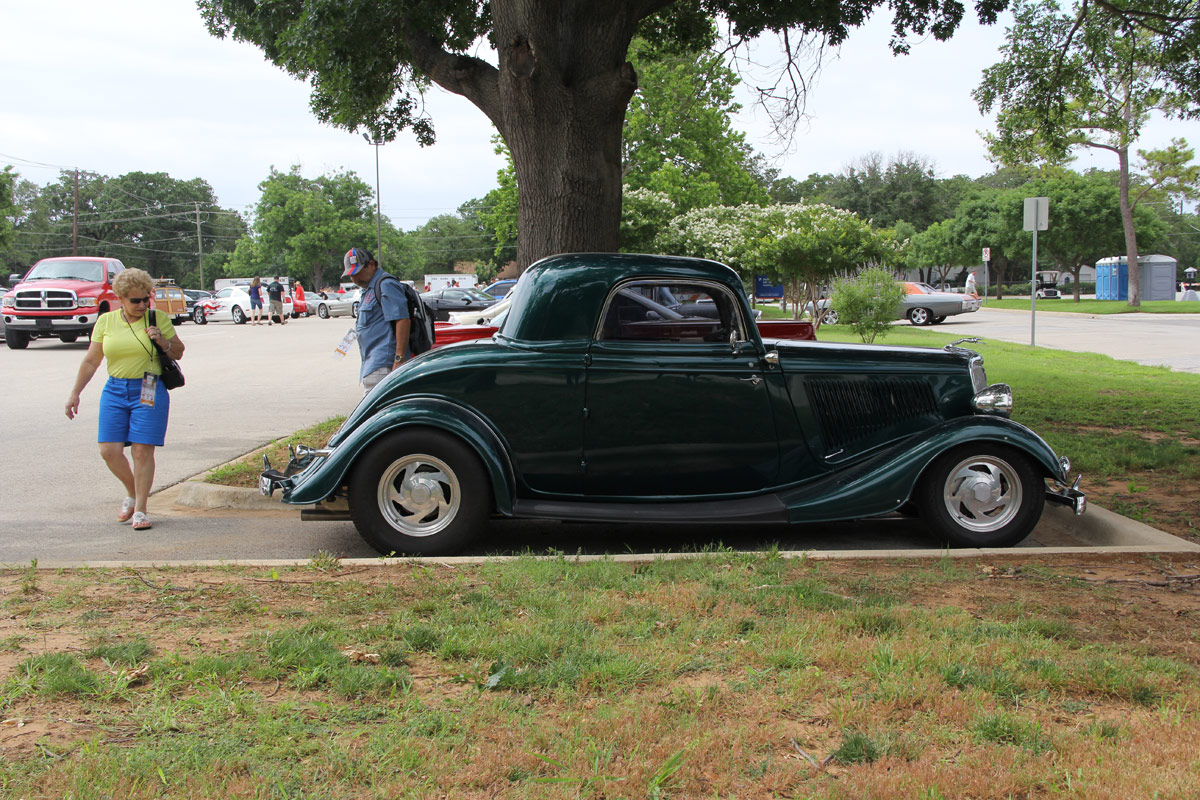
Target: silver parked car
(922,305)
(334,304)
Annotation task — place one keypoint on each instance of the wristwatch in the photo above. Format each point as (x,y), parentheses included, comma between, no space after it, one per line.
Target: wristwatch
(397,358)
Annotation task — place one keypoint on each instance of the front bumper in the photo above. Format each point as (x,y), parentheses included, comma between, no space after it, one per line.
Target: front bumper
(77,322)
(301,459)
(1064,495)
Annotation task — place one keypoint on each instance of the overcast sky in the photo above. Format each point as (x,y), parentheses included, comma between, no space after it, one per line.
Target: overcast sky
(114,87)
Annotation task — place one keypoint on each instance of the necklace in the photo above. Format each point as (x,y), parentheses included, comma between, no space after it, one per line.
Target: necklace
(145,326)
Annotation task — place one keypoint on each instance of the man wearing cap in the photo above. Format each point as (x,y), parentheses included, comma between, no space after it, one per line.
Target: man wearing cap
(383,321)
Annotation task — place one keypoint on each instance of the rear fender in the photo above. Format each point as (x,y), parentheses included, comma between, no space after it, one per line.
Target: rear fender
(327,474)
(886,481)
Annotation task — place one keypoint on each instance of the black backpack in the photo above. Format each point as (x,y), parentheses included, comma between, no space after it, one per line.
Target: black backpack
(421,330)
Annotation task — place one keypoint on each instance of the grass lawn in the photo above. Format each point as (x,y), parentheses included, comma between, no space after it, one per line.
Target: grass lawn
(723,675)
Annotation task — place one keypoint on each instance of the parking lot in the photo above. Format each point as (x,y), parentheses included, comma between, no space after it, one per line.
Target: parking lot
(248,385)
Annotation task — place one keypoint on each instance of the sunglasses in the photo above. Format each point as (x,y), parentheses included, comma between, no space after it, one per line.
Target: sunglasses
(139,300)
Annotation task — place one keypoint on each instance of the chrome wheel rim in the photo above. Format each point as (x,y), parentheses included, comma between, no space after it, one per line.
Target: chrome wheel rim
(419,495)
(918,316)
(982,493)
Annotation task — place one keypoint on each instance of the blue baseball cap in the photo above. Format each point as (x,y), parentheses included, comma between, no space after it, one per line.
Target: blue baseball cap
(355,261)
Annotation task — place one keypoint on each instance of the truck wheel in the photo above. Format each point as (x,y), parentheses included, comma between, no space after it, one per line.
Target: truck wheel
(16,340)
(420,492)
(982,495)
(920,316)
(68,338)
(239,316)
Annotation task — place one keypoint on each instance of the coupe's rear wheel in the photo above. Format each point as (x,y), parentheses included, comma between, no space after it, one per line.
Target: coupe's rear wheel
(354,309)
(831,317)
(920,316)
(323,311)
(982,495)
(239,316)
(420,492)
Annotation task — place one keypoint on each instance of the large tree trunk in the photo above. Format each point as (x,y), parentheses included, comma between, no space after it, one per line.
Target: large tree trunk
(558,99)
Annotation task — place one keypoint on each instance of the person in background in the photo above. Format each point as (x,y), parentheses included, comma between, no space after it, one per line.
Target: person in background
(971,288)
(256,301)
(134,405)
(298,297)
(275,297)
(383,322)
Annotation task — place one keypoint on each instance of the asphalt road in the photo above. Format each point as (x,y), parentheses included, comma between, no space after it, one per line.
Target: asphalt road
(248,385)
(1171,340)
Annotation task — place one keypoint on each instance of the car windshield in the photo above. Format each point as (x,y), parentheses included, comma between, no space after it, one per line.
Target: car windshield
(67,270)
(475,294)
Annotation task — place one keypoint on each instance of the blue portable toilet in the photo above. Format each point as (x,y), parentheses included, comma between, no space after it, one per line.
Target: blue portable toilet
(1112,278)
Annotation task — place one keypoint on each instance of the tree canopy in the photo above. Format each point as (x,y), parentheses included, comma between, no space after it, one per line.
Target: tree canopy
(558,90)
(1091,76)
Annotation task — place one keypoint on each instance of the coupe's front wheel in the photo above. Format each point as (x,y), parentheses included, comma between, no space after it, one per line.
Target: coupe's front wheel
(982,495)
(239,316)
(198,316)
(420,492)
(920,316)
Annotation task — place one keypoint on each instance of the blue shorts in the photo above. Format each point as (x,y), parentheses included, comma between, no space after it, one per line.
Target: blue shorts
(255,303)
(123,418)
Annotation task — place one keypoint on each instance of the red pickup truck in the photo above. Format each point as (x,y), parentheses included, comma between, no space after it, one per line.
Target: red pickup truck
(59,297)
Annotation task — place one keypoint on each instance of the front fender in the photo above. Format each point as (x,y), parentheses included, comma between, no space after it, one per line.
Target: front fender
(324,477)
(885,481)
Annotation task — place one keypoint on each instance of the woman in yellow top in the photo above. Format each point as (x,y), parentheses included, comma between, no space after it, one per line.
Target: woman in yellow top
(134,405)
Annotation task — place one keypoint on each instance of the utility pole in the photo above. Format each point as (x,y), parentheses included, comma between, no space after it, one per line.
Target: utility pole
(199,247)
(75,218)
(378,213)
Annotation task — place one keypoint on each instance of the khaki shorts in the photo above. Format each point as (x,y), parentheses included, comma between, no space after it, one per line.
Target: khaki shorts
(277,308)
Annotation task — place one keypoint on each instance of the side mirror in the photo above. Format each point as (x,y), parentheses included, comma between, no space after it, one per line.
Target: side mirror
(14,279)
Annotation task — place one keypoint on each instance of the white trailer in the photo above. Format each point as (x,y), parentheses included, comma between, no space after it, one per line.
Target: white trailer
(445,279)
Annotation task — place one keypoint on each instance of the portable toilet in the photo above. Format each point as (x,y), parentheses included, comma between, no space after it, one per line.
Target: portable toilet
(1112,278)
(1156,278)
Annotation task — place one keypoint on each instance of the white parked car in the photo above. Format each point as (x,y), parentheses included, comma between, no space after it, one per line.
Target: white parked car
(334,304)
(232,304)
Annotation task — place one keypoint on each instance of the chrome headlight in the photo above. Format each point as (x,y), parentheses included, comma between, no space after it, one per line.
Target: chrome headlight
(8,302)
(86,302)
(996,399)
(978,374)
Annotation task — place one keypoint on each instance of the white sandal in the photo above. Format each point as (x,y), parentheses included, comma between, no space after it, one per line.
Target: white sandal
(141,522)
(126,510)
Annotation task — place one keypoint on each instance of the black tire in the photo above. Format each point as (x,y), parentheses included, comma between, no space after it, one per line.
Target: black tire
(16,340)
(419,492)
(198,316)
(937,320)
(323,311)
(180,319)
(68,338)
(982,495)
(354,310)
(920,316)
(239,316)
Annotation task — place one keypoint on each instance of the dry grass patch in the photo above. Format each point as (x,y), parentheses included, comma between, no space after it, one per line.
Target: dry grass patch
(725,675)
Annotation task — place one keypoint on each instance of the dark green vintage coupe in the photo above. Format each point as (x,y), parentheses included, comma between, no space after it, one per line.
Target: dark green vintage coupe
(638,388)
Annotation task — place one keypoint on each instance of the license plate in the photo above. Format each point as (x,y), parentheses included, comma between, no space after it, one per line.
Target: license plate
(44,324)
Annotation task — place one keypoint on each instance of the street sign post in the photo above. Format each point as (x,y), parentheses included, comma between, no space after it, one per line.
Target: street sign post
(987,263)
(1037,218)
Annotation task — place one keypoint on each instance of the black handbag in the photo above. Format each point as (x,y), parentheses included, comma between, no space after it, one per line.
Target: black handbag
(172,375)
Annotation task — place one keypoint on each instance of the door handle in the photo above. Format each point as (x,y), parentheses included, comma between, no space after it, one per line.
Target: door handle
(754,379)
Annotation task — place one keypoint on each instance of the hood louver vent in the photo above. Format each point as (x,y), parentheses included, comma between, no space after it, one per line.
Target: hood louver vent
(852,411)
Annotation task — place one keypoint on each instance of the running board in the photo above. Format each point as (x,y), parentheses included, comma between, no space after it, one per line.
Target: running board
(767,509)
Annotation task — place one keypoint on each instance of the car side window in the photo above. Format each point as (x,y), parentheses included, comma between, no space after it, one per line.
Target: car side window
(671,312)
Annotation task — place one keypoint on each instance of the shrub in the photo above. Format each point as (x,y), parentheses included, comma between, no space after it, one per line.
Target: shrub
(868,302)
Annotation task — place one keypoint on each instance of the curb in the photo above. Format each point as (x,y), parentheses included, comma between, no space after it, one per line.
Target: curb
(1104,530)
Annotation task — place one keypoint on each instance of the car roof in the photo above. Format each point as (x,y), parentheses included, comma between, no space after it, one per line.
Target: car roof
(561,296)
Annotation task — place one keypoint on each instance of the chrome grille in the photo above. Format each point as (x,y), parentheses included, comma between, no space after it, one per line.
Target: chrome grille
(853,410)
(44,300)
